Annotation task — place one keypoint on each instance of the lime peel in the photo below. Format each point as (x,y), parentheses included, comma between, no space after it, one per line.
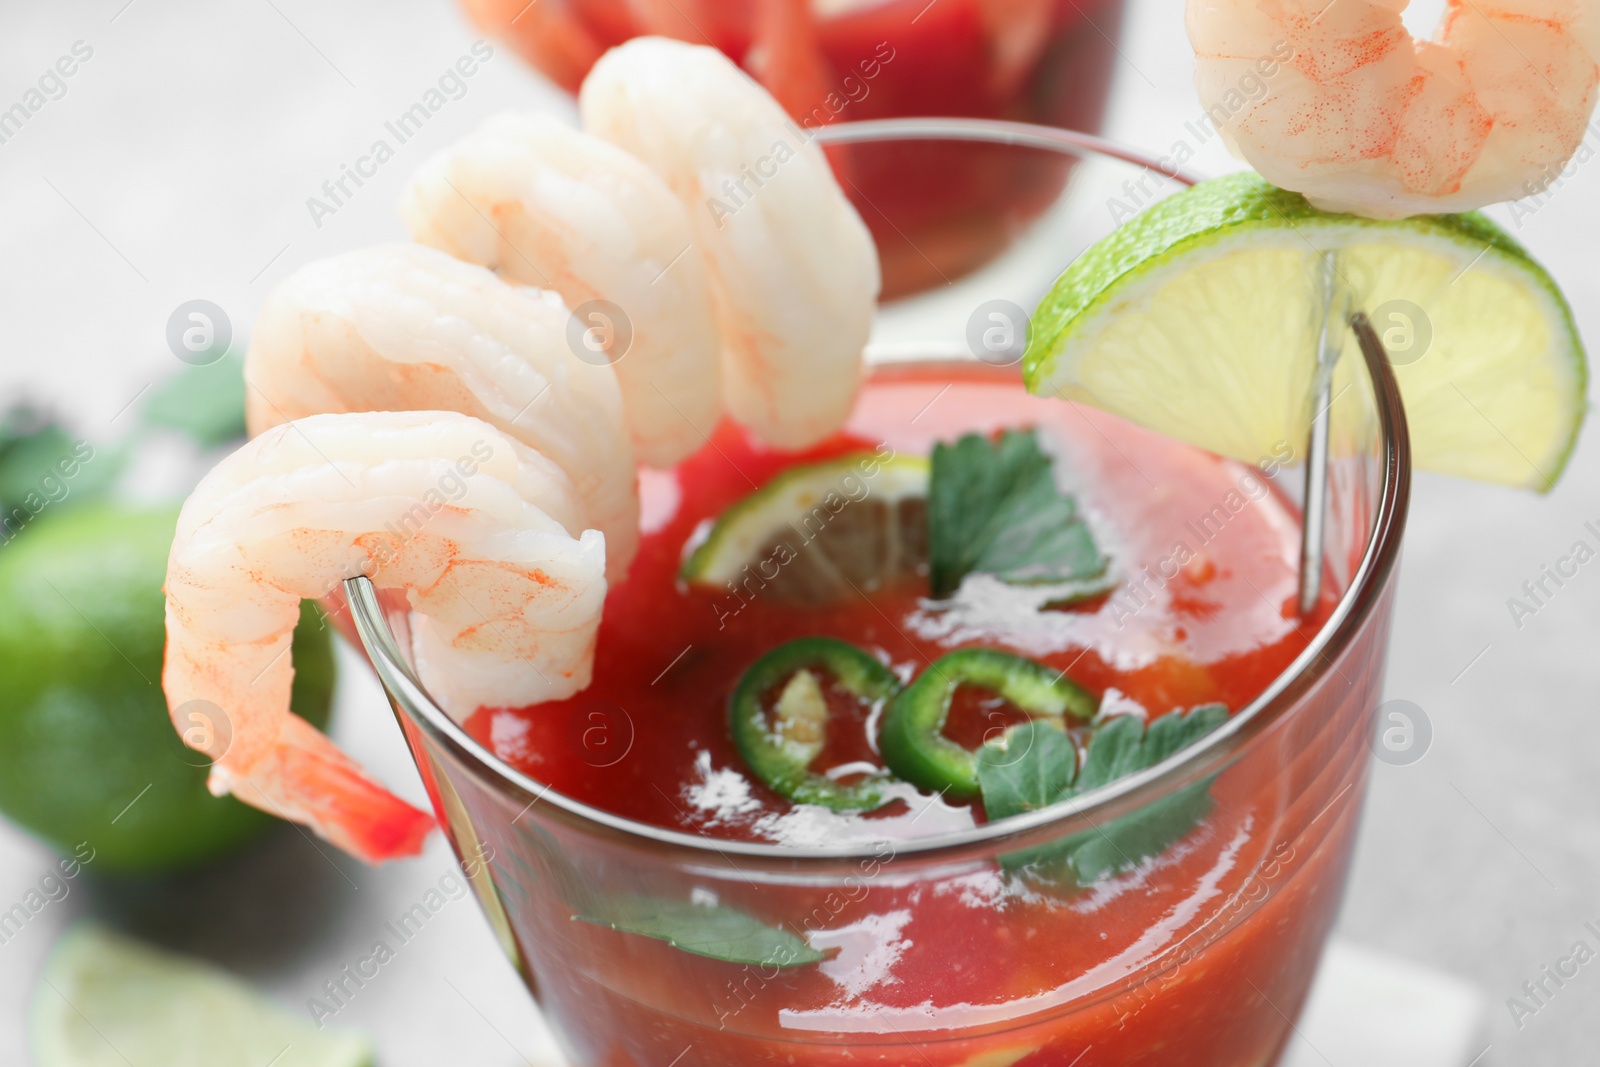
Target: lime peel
(106,1000)
(1199,319)
(800,503)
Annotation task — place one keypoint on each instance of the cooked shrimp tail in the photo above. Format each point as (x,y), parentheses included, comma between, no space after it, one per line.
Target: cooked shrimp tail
(485,538)
(307,779)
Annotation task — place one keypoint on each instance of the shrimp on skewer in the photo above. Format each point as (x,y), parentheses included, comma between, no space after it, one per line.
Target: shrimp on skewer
(794,273)
(403,327)
(546,205)
(1338,102)
(484,535)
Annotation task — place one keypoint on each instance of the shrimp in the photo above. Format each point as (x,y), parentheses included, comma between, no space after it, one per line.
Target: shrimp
(547,33)
(403,327)
(484,535)
(546,205)
(1018,32)
(794,273)
(785,55)
(1335,100)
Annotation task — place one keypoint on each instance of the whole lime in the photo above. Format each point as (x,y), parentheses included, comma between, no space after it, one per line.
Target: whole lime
(88,755)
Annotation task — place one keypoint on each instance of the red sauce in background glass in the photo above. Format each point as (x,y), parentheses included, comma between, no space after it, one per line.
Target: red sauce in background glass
(936,209)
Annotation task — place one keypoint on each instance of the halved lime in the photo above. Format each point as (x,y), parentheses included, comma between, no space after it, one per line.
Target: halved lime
(88,757)
(1200,318)
(108,1001)
(821,532)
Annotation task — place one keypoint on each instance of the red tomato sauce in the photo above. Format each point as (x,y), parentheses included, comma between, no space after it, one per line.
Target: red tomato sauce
(1198,955)
(1205,549)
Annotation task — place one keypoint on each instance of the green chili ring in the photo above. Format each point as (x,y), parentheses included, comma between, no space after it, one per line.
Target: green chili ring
(784,765)
(912,740)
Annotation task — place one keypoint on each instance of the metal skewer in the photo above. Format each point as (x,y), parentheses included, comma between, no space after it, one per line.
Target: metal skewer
(1314,511)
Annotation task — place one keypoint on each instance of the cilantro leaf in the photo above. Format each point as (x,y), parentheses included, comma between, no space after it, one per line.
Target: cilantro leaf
(720,933)
(204,402)
(1035,765)
(994,507)
(1132,839)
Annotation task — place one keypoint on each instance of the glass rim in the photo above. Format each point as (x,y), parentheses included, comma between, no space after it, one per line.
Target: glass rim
(1200,760)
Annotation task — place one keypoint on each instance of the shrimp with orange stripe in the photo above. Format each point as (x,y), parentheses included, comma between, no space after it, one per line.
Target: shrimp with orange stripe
(1362,118)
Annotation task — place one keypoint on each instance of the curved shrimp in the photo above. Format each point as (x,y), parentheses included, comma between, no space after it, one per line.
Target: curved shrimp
(484,535)
(546,32)
(1338,102)
(546,205)
(794,273)
(785,55)
(404,327)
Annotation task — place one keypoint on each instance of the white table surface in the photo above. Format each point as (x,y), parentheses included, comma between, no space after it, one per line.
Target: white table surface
(177,166)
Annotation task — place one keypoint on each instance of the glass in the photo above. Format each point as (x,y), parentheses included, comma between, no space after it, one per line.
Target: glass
(1035,61)
(1217,978)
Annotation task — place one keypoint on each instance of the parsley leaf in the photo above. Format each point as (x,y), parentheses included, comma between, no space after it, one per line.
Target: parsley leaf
(994,507)
(1031,766)
(1034,765)
(711,930)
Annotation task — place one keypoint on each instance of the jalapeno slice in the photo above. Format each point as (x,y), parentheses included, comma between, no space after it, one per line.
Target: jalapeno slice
(781,747)
(912,739)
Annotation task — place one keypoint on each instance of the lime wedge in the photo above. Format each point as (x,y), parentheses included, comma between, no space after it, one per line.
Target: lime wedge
(107,1001)
(1199,318)
(821,532)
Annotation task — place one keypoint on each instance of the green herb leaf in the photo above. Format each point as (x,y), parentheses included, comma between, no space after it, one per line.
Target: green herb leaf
(1132,839)
(1032,766)
(994,507)
(717,932)
(204,402)
(1123,745)
(1035,765)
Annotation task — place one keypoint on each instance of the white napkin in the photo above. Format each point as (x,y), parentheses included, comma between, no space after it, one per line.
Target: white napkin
(1371,1010)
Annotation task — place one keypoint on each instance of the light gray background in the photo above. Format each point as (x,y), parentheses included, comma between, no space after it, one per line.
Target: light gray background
(177,166)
